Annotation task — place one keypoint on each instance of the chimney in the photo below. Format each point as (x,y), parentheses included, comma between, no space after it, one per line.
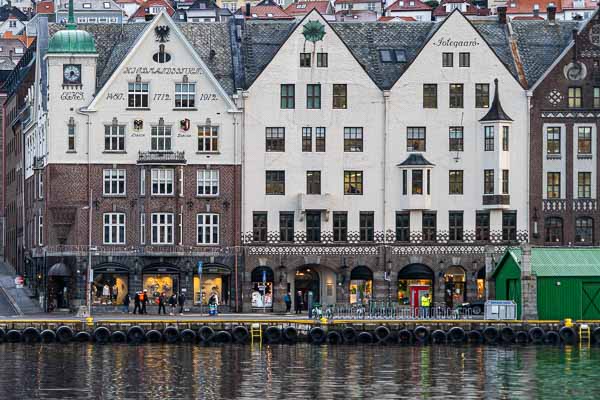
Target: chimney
(536,10)
(247,9)
(502,15)
(551,10)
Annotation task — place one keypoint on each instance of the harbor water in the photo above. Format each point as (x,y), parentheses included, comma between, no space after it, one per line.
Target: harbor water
(54,371)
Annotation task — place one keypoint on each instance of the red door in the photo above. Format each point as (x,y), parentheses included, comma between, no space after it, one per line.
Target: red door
(416,292)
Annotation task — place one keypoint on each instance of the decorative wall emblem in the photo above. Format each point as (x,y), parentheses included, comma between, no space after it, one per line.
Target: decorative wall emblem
(138,124)
(575,71)
(184,124)
(313,31)
(554,97)
(162,33)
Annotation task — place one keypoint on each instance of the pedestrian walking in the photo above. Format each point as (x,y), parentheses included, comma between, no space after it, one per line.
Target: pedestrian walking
(172,304)
(137,303)
(161,303)
(288,302)
(126,301)
(299,302)
(144,301)
(181,301)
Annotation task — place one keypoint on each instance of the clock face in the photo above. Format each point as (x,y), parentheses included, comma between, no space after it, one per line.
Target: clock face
(72,74)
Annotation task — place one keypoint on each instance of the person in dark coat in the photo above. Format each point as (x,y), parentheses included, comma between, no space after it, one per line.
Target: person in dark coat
(144,301)
(137,303)
(126,301)
(299,302)
(181,301)
(288,302)
(161,303)
(172,304)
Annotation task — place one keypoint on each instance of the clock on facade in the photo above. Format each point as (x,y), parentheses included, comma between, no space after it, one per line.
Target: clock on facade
(72,74)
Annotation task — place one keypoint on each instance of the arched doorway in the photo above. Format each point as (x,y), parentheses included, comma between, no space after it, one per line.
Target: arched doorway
(161,278)
(110,285)
(59,286)
(307,280)
(481,284)
(361,284)
(414,281)
(262,287)
(455,285)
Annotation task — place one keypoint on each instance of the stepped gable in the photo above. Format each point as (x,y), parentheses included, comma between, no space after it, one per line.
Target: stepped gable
(114,42)
(540,43)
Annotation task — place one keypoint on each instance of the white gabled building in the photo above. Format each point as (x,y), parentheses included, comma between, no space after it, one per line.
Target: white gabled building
(422,185)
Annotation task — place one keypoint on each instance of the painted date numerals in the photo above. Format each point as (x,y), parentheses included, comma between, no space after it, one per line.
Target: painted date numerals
(161,96)
(207,97)
(115,96)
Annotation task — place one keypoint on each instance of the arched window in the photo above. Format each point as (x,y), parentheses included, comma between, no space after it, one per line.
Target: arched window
(584,230)
(554,230)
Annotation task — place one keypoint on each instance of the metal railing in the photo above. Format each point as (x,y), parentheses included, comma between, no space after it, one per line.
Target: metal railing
(378,310)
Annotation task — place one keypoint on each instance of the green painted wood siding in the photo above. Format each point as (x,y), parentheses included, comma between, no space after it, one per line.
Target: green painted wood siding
(568,299)
(508,283)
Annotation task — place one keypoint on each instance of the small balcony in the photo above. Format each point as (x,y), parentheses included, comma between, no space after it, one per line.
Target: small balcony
(554,205)
(415,202)
(496,201)
(161,157)
(315,202)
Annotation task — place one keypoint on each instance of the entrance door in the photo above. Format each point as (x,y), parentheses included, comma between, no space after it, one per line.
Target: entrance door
(307,279)
(590,301)
(416,293)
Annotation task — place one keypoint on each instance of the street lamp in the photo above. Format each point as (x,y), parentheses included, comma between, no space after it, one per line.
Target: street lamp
(87,312)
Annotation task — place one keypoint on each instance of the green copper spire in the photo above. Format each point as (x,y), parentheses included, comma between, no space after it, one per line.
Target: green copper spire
(71,40)
(71,21)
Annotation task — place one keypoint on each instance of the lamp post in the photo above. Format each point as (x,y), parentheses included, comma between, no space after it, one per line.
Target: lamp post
(89,275)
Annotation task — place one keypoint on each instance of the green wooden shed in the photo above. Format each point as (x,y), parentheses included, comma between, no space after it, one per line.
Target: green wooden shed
(568,281)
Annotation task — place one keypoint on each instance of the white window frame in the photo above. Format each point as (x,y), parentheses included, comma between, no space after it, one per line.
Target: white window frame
(188,95)
(161,138)
(207,224)
(40,230)
(114,177)
(115,225)
(114,133)
(208,138)
(163,226)
(40,185)
(207,182)
(162,178)
(142,228)
(138,88)
(142,182)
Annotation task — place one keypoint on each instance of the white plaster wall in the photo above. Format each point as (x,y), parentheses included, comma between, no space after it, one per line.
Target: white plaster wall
(406,110)
(262,109)
(112,102)
(418,15)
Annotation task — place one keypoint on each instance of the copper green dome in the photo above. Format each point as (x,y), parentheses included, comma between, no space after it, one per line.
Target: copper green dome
(71,40)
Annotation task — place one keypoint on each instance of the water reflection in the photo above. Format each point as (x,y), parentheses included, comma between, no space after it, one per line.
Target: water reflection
(297,372)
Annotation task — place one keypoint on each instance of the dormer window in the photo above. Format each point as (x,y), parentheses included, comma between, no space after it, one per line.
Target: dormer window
(411,3)
(87,5)
(392,55)
(106,4)
(300,6)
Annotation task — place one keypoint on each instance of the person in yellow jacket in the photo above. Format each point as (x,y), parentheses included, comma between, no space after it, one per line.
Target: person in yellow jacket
(426,304)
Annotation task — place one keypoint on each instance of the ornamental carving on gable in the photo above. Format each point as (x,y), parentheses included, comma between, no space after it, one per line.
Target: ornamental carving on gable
(554,97)
(595,34)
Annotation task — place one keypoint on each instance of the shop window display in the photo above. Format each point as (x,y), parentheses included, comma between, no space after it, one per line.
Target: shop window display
(361,291)
(109,289)
(455,286)
(157,284)
(210,284)
(262,295)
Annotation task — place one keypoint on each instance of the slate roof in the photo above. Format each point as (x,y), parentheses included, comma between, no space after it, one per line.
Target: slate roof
(559,261)
(540,43)
(415,159)
(113,47)
(7,11)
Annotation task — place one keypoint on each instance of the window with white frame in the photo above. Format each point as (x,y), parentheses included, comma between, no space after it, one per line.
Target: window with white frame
(208,228)
(137,94)
(40,185)
(161,137)
(40,230)
(114,182)
(114,228)
(162,228)
(142,228)
(208,182)
(114,136)
(185,95)
(162,181)
(142,182)
(208,138)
